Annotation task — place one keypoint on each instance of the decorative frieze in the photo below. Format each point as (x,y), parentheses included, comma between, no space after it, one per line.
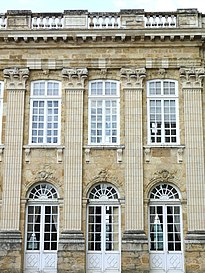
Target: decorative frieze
(75,77)
(16,78)
(133,77)
(192,77)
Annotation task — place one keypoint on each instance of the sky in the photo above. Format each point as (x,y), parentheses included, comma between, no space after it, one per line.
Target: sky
(99,5)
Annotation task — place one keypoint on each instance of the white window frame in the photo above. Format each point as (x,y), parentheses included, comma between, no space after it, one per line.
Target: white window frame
(103,98)
(163,98)
(45,98)
(1,107)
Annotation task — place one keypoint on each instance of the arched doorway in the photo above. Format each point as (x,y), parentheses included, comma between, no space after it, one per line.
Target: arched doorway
(41,238)
(165,230)
(103,230)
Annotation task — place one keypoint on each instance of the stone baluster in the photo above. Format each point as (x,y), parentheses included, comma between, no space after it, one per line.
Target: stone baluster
(194,143)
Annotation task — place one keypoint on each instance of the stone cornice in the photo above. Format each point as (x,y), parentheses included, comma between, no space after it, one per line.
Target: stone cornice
(133,77)
(16,78)
(75,77)
(192,78)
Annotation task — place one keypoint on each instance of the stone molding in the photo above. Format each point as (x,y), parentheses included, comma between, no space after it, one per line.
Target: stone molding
(16,78)
(197,237)
(133,240)
(192,78)
(75,77)
(71,240)
(133,77)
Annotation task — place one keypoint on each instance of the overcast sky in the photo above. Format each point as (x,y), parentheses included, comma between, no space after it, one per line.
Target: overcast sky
(99,5)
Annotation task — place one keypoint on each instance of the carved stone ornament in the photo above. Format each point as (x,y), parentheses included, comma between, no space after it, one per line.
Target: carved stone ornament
(163,176)
(104,176)
(133,77)
(16,78)
(44,176)
(75,77)
(192,77)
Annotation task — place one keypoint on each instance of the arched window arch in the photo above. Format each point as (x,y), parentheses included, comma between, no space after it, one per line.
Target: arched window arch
(103,191)
(164,192)
(43,191)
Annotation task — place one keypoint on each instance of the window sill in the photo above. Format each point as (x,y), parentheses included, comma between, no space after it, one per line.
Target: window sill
(104,147)
(149,149)
(118,148)
(28,149)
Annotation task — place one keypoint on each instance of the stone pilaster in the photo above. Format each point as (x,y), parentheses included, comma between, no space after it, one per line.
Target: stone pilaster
(134,237)
(71,240)
(10,236)
(195,176)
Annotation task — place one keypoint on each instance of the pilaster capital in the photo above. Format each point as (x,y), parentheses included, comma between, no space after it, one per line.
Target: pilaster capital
(133,77)
(75,77)
(16,78)
(192,78)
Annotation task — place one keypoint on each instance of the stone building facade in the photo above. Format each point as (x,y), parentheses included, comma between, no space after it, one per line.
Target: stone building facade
(102,142)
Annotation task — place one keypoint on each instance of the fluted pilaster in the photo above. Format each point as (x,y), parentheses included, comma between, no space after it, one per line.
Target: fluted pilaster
(15,85)
(133,84)
(193,122)
(74,88)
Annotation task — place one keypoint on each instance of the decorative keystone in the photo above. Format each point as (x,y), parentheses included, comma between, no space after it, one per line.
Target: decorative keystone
(133,77)
(16,78)
(75,76)
(192,77)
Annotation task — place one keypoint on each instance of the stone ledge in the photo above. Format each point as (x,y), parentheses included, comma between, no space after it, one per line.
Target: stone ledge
(134,240)
(71,240)
(195,237)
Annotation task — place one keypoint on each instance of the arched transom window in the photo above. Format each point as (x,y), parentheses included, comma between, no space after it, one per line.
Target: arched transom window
(164,192)
(103,192)
(43,192)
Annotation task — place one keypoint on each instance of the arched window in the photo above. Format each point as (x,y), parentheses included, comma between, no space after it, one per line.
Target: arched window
(103,229)
(164,192)
(103,192)
(41,240)
(165,229)
(43,191)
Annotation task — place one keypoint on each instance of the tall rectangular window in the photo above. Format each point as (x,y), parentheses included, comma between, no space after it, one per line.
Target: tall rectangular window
(104,112)
(45,104)
(163,126)
(1,108)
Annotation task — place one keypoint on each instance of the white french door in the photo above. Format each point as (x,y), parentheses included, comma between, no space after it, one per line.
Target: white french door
(103,239)
(165,230)
(41,239)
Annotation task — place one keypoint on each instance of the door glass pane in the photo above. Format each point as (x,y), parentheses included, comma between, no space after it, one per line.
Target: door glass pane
(94,228)
(33,227)
(156,228)
(111,228)
(50,228)
(173,228)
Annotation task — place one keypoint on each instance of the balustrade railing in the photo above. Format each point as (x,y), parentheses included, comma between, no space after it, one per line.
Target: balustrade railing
(101,20)
(47,21)
(160,21)
(2,21)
